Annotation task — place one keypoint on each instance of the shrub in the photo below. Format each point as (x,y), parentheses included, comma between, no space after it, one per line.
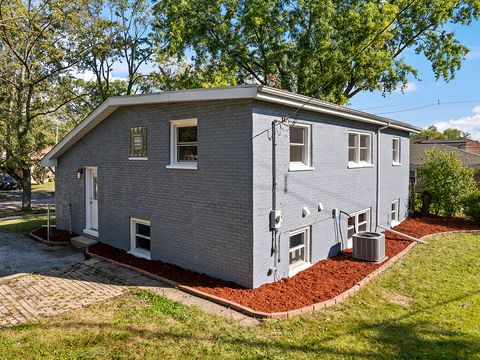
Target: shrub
(471,206)
(446,180)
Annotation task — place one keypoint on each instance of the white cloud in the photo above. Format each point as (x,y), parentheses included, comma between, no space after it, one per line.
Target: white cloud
(411,86)
(469,124)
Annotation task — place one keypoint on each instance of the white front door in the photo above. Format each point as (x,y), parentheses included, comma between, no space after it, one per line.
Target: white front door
(91,201)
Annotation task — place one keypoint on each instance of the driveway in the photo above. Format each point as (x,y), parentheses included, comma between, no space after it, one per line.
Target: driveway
(19,254)
(38,280)
(12,200)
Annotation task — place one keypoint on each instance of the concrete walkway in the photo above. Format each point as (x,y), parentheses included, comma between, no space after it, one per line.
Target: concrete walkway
(64,281)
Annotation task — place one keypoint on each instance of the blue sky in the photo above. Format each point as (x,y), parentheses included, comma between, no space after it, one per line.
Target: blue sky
(465,87)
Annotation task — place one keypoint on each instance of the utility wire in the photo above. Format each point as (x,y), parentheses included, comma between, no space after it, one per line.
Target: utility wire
(438,103)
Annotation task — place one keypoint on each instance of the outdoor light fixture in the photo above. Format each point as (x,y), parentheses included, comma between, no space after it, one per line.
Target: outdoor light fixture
(79,173)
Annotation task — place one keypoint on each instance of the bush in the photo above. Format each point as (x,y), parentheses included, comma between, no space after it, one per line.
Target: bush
(446,180)
(471,206)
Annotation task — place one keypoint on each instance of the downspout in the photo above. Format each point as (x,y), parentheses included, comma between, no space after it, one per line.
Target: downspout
(377,220)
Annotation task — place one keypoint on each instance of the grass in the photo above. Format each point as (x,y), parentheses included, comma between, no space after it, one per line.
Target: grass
(24,213)
(25,225)
(47,187)
(424,307)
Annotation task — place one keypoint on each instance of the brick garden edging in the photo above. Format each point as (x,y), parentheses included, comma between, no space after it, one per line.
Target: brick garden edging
(46,242)
(284,314)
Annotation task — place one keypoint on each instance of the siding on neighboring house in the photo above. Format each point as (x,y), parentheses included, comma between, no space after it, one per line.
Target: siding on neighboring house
(200,219)
(331,183)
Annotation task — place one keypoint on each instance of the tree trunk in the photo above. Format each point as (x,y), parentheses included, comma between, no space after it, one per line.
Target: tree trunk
(27,190)
(425,204)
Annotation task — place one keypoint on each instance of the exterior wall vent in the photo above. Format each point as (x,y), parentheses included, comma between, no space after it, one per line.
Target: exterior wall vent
(369,246)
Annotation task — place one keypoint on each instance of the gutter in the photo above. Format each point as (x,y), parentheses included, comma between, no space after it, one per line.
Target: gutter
(377,206)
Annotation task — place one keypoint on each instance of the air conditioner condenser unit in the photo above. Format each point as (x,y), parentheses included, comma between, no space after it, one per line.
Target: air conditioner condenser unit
(369,246)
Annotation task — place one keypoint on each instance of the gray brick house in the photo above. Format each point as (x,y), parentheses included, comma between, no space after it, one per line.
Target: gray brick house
(186,177)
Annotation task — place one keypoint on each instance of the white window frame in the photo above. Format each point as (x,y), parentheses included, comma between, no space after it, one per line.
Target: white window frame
(174,163)
(357,163)
(142,253)
(294,269)
(356,224)
(395,219)
(396,160)
(307,150)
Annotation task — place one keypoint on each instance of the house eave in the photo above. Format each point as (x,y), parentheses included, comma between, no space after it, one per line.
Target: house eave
(262,93)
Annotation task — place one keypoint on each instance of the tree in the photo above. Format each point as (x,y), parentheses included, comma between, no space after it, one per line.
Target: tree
(445,180)
(39,43)
(124,39)
(432,133)
(327,49)
(455,134)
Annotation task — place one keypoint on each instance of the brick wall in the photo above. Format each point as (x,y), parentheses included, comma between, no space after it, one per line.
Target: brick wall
(200,219)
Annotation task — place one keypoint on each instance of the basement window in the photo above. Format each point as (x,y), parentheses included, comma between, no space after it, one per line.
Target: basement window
(359,149)
(138,143)
(396,151)
(359,221)
(299,248)
(300,147)
(140,238)
(183,144)
(395,213)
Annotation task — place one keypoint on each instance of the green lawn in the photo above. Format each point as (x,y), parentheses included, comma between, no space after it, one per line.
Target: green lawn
(47,186)
(25,225)
(425,307)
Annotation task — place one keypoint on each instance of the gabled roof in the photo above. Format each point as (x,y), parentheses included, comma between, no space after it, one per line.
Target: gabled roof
(417,154)
(262,93)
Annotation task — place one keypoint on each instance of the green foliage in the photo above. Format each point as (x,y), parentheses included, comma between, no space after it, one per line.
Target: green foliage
(471,206)
(432,133)
(446,180)
(328,49)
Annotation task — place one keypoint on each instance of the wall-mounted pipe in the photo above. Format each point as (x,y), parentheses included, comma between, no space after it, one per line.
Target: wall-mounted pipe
(377,218)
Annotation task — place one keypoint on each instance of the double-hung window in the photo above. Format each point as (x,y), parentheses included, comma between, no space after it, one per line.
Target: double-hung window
(300,147)
(359,221)
(359,149)
(299,247)
(395,212)
(396,151)
(138,143)
(183,144)
(140,237)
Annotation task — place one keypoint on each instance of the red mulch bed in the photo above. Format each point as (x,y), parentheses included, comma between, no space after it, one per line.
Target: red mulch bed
(322,281)
(56,236)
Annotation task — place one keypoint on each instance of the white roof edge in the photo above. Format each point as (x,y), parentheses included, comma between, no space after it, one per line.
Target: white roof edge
(262,93)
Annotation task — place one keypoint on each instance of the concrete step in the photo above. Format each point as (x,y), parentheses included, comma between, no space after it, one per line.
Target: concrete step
(83,242)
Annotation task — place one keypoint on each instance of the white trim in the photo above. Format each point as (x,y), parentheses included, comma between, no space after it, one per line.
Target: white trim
(352,165)
(88,210)
(293,167)
(133,234)
(262,93)
(396,161)
(138,158)
(395,221)
(174,162)
(296,268)
(358,148)
(368,222)
(90,232)
(307,148)
(183,166)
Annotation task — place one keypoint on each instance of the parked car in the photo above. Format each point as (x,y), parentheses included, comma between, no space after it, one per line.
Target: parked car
(9,183)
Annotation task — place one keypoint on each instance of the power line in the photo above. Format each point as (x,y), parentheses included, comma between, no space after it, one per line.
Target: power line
(438,103)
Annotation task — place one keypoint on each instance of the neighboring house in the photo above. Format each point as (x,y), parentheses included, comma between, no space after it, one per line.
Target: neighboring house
(185,177)
(471,146)
(39,174)
(417,156)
